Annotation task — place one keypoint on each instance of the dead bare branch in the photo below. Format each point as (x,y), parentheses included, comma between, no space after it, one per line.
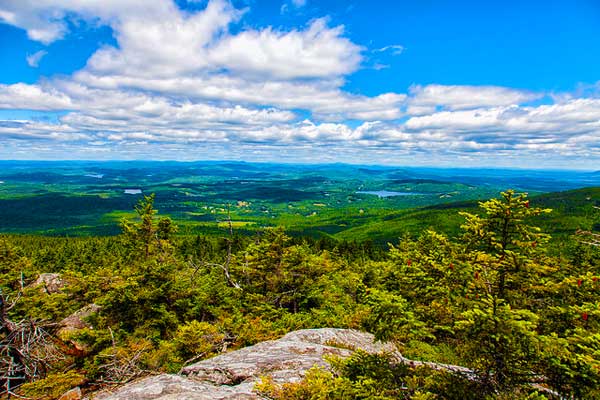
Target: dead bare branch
(121,367)
(27,350)
(588,238)
(225,266)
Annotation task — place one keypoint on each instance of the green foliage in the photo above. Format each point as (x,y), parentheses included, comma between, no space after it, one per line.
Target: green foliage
(497,299)
(372,376)
(282,274)
(361,376)
(504,252)
(492,300)
(53,386)
(393,317)
(148,234)
(195,339)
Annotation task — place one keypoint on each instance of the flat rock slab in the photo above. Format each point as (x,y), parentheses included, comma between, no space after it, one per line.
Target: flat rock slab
(233,375)
(175,387)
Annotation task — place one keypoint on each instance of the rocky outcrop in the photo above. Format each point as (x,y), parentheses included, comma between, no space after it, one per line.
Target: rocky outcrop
(286,359)
(73,324)
(233,375)
(77,320)
(176,387)
(50,283)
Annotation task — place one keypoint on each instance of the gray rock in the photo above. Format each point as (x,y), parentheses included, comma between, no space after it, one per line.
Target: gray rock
(172,387)
(73,324)
(50,283)
(285,359)
(76,321)
(233,375)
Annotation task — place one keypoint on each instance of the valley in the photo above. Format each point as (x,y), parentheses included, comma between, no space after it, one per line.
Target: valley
(338,201)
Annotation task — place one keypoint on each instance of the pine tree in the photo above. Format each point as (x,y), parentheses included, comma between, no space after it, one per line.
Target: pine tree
(504,253)
(147,233)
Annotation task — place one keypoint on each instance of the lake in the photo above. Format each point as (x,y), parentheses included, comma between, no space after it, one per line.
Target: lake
(133,191)
(386,193)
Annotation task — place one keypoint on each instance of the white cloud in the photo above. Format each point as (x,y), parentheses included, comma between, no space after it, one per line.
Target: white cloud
(323,98)
(167,45)
(578,116)
(316,52)
(163,48)
(34,59)
(45,20)
(32,97)
(179,80)
(395,49)
(39,130)
(296,4)
(425,99)
(39,27)
(158,39)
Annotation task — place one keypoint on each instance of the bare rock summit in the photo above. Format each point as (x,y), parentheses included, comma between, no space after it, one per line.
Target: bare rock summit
(233,375)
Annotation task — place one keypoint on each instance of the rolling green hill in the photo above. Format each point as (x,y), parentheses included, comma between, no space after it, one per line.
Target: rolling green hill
(335,201)
(571,210)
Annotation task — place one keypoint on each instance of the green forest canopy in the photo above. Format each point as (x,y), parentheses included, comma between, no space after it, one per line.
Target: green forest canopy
(492,299)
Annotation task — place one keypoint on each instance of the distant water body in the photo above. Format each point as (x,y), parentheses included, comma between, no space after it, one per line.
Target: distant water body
(133,191)
(385,193)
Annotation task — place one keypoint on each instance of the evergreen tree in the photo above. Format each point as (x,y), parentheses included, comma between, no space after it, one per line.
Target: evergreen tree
(505,260)
(148,234)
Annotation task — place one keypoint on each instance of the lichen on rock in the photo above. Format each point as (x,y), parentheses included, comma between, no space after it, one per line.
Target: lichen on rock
(233,375)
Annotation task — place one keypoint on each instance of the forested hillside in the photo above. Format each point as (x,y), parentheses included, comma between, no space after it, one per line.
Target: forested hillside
(494,294)
(335,201)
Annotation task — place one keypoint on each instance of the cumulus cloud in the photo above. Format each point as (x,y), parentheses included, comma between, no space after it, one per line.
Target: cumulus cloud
(425,99)
(573,117)
(157,38)
(323,98)
(38,27)
(161,45)
(32,97)
(46,20)
(169,51)
(178,79)
(39,130)
(316,52)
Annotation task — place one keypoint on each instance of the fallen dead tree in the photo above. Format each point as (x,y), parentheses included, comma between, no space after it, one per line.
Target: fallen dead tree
(27,348)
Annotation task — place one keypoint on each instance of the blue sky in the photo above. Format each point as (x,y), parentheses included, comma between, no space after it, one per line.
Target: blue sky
(446,83)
